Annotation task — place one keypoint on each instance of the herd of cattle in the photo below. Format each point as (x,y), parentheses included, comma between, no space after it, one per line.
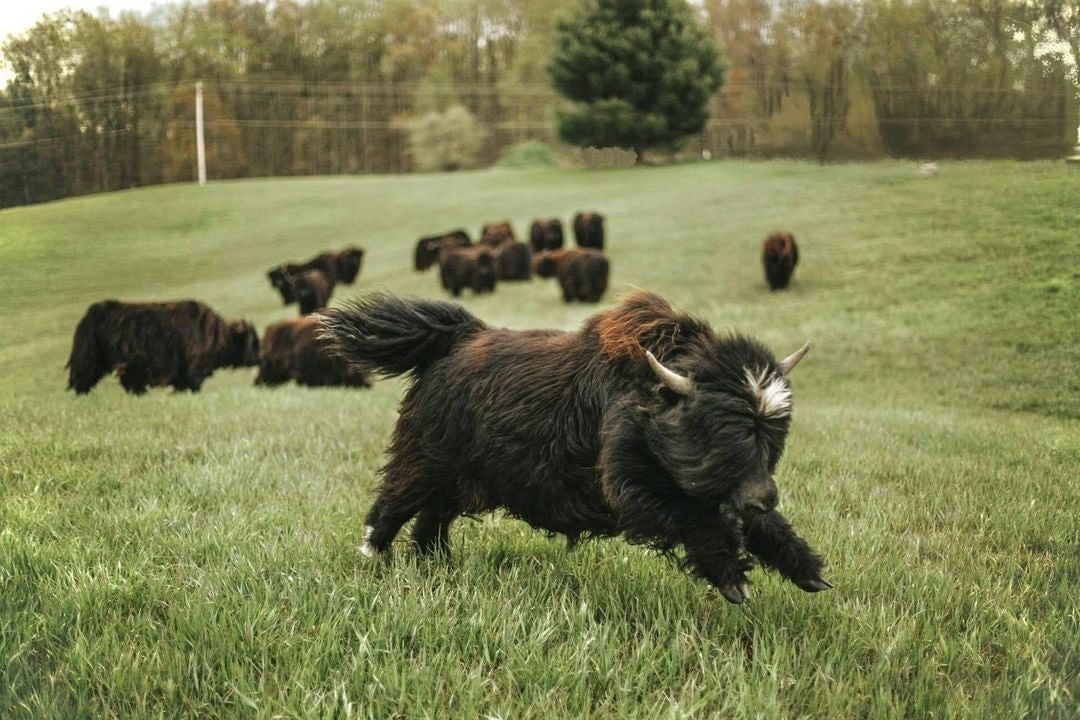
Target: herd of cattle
(499,256)
(180,344)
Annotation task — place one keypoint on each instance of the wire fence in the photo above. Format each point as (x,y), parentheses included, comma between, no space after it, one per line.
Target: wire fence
(123,137)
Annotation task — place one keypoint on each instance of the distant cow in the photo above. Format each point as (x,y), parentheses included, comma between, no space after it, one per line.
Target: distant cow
(156,344)
(546,234)
(294,350)
(313,290)
(513,261)
(467,267)
(589,230)
(583,274)
(342,266)
(428,248)
(779,254)
(497,233)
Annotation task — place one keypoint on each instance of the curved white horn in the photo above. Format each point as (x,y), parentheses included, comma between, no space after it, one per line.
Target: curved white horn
(673,380)
(788,363)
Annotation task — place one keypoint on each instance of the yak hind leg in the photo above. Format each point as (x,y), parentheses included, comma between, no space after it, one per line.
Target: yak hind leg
(397,503)
(431,533)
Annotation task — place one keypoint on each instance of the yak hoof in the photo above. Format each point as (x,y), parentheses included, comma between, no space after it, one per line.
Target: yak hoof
(815,585)
(736,594)
(366,549)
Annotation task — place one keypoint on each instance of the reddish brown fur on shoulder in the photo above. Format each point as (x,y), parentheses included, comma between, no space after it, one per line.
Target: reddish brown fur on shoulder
(641,320)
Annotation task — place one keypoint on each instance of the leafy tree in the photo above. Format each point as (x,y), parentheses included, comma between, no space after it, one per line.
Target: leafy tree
(640,71)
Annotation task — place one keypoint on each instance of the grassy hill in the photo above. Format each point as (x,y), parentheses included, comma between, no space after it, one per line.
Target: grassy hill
(196,554)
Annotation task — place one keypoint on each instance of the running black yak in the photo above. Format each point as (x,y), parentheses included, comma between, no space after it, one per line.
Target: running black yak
(644,423)
(779,255)
(155,344)
(428,248)
(294,350)
(342,266)
(546,234)
(467,267)
(583,274)
(589,230)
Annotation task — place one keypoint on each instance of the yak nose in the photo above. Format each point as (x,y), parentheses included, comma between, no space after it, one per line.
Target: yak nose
(765,500)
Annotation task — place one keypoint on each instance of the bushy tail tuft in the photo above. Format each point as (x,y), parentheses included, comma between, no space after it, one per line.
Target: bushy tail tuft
(391,336)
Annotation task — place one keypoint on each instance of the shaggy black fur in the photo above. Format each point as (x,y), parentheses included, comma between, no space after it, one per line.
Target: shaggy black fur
(294,350)
(467,267)
(583,274)
(154,344)
(779,255)
(589,230)
(513,261)
(342,266)
(573,433)
(428,248)
(546,234)
(497,233)
(312,289)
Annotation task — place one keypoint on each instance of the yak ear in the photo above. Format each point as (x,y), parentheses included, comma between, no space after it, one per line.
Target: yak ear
(677,383)
(789,363)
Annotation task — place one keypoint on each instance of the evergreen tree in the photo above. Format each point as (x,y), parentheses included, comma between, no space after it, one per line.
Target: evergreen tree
(641,73)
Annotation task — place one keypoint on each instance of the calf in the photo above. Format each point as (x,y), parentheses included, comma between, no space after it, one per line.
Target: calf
(644,423)
(779,255)
(294,349)
(582,274)
(155,344)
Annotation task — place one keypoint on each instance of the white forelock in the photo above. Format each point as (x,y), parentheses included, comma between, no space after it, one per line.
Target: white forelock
(771,393)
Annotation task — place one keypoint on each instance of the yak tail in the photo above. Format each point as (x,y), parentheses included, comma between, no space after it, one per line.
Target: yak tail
(84,364)
(389,335)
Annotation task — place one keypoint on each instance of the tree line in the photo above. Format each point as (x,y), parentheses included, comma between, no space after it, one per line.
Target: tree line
(100,102)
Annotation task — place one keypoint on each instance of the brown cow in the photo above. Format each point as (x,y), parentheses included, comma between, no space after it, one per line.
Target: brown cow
(497,233)
(428,248)
(468,267)
(779,255)
(583,274)
(589,230)
(546,234)
(293,349)
(156,344)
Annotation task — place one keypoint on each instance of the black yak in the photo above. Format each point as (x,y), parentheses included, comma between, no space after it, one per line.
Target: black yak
(293,349)
(583,274)
(546,234)
(497,233)
(342,266)
(467,267)
(589,230)
(428,248)
(779,255)
(513,261)
(155,344)
(312,289)
(644,424)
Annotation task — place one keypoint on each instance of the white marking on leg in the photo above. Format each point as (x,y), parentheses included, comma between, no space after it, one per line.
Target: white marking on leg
(366,550)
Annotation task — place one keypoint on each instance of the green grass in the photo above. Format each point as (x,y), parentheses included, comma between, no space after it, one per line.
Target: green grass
(196,555)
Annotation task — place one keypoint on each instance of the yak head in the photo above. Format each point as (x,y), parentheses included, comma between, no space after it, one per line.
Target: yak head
(722,419)
(283,283)
(243,344)
(349,261)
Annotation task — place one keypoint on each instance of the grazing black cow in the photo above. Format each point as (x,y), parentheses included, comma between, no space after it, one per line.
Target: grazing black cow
(644,423)
(467,267)
(513,261)
(313,290)
(428,248)
(294,349)
(546,234)
(779,255)
(583,274)
(589,230)
(155,344)
(342,266)
(497,233)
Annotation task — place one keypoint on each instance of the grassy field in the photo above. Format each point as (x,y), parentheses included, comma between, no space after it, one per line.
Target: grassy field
(195,555)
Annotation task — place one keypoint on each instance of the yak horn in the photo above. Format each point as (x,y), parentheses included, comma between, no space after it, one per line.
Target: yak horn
(789,363)
(673,380)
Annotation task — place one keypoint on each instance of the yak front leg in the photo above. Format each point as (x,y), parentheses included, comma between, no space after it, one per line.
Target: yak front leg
(771,538)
